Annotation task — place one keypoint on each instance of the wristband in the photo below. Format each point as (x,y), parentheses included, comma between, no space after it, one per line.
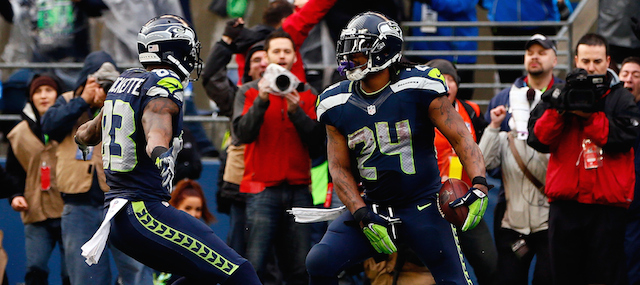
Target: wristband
(157,152)
(480,180)
(359,214)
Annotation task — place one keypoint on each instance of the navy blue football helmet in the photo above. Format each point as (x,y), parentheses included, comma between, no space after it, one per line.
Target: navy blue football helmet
(376,36)
(170,40)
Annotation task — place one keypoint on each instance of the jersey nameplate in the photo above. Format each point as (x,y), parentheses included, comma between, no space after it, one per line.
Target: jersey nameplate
(127,85)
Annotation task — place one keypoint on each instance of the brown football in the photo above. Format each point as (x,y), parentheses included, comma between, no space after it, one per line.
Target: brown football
(451,190)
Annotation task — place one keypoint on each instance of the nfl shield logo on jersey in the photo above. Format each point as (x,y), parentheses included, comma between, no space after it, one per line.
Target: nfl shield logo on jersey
(371,109)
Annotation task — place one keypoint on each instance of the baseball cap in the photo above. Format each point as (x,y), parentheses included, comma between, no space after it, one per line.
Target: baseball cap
(543,41)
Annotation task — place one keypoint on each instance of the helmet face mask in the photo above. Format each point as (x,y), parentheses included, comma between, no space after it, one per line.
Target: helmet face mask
(375,36)
(170,40)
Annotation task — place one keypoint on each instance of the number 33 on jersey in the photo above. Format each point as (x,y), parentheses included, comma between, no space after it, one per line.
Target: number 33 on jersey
(123,148)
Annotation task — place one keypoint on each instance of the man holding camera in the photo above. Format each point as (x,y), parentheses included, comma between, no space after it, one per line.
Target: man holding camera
(81,178)
(279,128)
(589,126)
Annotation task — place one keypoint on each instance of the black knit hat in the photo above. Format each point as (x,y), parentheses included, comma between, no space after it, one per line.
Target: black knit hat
(247,64)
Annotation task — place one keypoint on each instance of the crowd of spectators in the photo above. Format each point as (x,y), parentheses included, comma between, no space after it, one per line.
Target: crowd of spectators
(568,173)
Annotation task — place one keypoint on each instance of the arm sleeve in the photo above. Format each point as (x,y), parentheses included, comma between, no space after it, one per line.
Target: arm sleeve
(298,24)
(490,147)
(311,131)
(246,125)
(16,175)
(217,85)
(60,119)
(622,125)
(596,127)
(545,127)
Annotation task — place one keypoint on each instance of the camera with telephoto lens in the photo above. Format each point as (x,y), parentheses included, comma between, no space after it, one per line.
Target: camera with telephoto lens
(281,81)
(581,92)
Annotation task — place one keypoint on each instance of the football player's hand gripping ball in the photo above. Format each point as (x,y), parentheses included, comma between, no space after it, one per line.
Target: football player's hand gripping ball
(477,202)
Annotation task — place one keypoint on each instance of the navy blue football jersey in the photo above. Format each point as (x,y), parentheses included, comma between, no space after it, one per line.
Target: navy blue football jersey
(389,134)
(130,172)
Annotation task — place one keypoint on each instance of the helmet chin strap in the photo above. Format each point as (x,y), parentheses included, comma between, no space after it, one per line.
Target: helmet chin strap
(357,74)
(177,63)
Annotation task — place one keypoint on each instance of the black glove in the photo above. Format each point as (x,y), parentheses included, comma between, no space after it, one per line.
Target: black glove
(553,96)
(233,29)
(635,26)
(246,39)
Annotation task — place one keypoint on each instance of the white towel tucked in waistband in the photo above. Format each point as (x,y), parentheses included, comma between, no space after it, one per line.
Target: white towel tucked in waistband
(92,250)
(312,215)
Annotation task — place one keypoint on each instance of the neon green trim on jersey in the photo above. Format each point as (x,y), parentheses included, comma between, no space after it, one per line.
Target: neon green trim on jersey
(172,84)
(196,247)
(460,255)
(435,73)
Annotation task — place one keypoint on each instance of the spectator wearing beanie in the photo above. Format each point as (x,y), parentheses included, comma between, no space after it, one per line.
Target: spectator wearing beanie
(31,164)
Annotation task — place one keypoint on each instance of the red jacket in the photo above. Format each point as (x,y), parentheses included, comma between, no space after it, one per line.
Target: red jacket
(298,25)
(567,178)
(275,152)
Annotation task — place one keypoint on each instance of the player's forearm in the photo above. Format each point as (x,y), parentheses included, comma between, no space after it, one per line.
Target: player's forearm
(471,158)
(449,122)
(340,169)
(346,188)
(90,133)
(157,123)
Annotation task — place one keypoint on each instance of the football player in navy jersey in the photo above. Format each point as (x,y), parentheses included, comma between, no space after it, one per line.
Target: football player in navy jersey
(380,127)
(140,127)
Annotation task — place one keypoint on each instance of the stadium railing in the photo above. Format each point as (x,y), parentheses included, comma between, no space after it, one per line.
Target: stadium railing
(564,39)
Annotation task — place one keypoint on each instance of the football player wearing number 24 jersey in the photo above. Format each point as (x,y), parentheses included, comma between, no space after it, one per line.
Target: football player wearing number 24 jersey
(381,121)
(140,126)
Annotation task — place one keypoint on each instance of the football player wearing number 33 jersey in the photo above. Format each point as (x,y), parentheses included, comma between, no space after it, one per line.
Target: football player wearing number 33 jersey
(380,123)
(140,127)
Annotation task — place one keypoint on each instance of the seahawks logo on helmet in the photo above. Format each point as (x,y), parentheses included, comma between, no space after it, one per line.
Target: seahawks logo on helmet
(170,40)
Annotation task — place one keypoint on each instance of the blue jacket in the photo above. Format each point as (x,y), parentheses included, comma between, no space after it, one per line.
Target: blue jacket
(448,10)
(522,10)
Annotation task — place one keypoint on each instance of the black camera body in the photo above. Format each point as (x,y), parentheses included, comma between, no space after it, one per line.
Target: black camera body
(581,92)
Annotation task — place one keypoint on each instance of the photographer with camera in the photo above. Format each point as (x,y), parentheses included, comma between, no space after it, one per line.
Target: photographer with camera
(81,178)
(588,126)
(277,122)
